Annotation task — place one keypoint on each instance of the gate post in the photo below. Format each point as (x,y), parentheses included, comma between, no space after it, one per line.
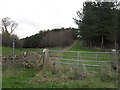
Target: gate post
(46,55)
(115,59)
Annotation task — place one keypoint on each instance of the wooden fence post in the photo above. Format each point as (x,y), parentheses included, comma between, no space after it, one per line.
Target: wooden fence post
(46,57)
(115,59)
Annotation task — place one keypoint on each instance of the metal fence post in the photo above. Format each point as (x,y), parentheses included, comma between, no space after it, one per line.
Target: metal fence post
(96,57)
(78,55)
(13,49)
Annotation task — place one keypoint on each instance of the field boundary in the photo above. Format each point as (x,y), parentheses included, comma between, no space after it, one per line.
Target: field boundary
(79,58)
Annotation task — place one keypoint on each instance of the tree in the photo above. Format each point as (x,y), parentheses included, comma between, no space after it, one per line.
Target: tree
(7,23)
(8,27)
(114,33)
(97,23)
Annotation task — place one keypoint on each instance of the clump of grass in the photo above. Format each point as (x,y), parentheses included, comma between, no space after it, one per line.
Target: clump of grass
(62,75)
(108,75)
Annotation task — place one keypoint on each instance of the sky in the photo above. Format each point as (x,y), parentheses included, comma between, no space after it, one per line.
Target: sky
(35,15)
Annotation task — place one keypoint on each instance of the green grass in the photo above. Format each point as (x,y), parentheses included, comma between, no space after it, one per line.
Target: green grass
(60,77)
(9,51)
(17,77)
(78,47)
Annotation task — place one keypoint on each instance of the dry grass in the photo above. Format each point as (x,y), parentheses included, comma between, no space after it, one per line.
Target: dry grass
(61,76)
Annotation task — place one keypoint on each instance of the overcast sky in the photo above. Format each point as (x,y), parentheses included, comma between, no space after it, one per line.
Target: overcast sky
(35,15)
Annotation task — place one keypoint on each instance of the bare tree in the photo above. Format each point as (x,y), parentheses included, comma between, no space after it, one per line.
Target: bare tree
(13,26)
(8,26)
(7,23)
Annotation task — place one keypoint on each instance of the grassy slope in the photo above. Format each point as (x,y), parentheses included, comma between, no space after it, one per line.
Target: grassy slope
(76,46)
(9,51)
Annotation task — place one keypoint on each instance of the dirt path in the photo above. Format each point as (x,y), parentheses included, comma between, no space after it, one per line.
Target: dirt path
(65,49)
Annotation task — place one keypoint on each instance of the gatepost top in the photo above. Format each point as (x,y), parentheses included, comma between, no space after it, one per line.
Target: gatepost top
(113,50)
(44,50)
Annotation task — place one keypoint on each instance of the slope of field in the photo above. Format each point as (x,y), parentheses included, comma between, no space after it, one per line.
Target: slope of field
(9,51)
(77,46)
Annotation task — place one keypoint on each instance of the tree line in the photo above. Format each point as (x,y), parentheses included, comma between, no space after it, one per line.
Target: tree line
(51,38)
(99,24)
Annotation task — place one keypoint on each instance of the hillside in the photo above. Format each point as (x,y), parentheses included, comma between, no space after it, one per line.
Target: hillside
(77,46)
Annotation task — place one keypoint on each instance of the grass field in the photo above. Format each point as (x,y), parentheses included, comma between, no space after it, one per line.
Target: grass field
(9,51)
(34,78)
(61,76)
(17,77)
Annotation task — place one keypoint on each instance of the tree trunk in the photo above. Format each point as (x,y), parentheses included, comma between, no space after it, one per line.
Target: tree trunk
(115,41)
(90,43)
(102,42)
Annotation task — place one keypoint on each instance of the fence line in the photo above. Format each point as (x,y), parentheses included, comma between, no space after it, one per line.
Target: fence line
(81,52)
(92,68)
(78,56)
(81,64)
(80,60)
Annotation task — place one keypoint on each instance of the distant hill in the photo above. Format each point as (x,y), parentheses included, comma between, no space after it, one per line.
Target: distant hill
(51,38)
